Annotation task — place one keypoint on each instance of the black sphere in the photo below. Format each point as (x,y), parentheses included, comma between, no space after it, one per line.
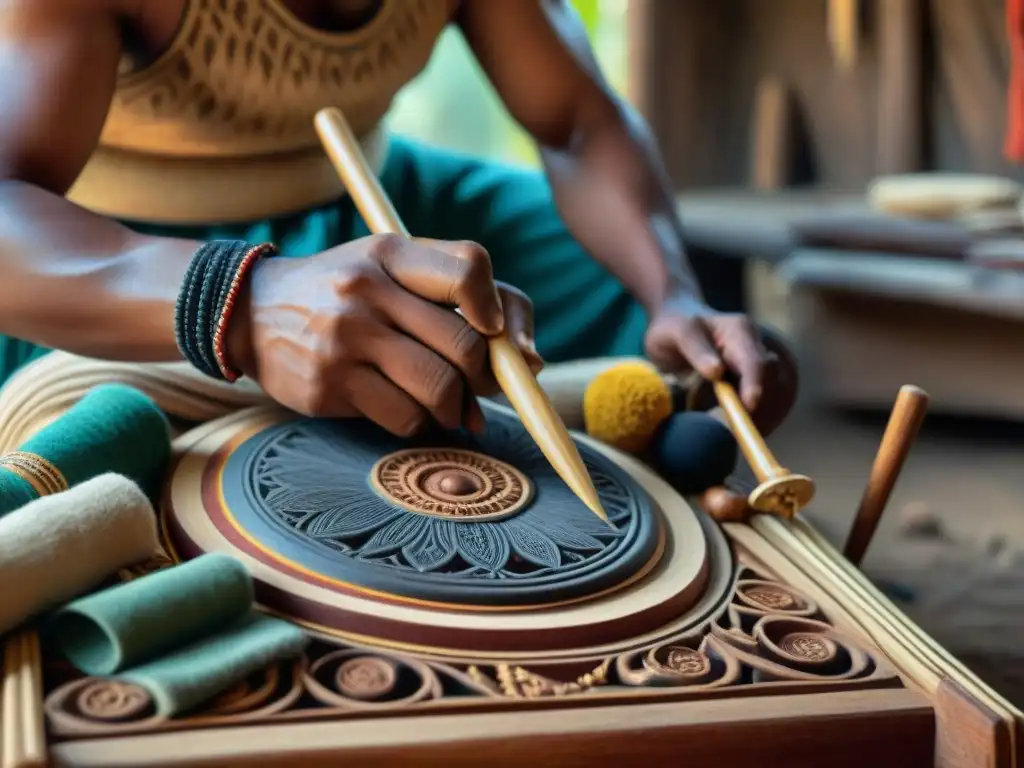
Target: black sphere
(693,451)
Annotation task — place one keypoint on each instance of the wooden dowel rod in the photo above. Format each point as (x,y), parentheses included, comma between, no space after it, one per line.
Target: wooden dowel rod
(754,448)
(904,423)
(780,492)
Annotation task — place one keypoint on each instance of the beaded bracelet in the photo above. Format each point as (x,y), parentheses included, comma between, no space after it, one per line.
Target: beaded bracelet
(206,299)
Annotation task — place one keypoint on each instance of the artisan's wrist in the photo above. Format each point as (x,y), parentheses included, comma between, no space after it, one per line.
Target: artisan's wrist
(681,298)
(213,311)
(234,349)
(238,346)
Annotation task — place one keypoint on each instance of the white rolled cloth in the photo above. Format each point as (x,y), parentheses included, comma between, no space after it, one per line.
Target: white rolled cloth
(60,546)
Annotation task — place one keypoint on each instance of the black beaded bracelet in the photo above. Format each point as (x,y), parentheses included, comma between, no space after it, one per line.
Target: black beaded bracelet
(206,298)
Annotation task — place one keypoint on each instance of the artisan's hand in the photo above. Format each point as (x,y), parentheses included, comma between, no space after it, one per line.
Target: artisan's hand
(687,334)
(368,329)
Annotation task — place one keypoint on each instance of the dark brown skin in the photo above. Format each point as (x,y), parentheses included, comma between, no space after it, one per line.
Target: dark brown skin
(357,329)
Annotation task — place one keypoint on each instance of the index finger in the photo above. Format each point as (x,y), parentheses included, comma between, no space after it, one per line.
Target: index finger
(744,353)
(454,273)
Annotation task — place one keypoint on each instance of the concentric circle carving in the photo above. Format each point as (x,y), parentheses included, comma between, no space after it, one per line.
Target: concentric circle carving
(687,662)
(770,597)
(809,646)
(366,678)
(456,484)
(112,701)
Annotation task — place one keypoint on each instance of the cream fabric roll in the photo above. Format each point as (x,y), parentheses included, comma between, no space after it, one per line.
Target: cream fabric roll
(60,546)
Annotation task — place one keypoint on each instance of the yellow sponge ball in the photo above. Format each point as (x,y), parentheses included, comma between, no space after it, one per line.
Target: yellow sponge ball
(624,405)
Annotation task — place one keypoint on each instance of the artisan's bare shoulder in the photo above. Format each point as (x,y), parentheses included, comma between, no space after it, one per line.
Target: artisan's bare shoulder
(58,69)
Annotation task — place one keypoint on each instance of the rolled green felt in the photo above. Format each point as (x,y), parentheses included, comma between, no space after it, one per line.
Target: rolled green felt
(114,428)
(197,673)
(153,615)
(15,491)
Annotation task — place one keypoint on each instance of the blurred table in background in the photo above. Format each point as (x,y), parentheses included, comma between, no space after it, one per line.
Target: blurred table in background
(872,302)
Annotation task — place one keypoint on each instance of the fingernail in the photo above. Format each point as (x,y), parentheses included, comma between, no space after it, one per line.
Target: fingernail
(753,397)
(714,368)
(526,344)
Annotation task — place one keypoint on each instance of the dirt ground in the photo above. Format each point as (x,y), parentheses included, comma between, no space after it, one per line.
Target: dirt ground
(951,545)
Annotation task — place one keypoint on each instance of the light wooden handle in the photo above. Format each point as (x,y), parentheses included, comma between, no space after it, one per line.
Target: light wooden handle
(754,448)
(346,154)
(904,423)
(514,376)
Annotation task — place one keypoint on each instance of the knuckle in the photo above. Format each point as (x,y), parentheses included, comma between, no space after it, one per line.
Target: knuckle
(469,349)
(477,264)
(473,253)
(443,384)
(357,279)
(385,246)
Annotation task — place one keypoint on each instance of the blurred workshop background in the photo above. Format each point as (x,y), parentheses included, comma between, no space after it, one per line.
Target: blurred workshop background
(793,117)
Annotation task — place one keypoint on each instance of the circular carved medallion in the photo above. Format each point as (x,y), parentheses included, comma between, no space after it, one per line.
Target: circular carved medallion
(687,662)
(771,598)
(809,646)
(366,678)
(455,484)
(110,700)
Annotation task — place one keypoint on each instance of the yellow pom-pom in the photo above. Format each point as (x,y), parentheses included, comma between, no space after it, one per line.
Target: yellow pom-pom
(624,405)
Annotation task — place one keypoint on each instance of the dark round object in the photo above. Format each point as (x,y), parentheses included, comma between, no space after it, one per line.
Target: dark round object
(693,451)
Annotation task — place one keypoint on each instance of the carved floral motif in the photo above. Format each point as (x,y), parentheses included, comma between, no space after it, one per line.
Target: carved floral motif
(313,480)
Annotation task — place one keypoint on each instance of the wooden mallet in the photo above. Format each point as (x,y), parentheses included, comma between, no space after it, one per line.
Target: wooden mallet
(511,370)
(779,491)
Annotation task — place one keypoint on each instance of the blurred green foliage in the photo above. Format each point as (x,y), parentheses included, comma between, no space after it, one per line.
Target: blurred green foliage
(451,104)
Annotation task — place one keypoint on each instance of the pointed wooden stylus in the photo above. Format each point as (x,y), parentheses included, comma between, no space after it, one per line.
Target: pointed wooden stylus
(510,369)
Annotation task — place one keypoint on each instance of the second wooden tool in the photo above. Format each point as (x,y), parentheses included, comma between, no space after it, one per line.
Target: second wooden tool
(779,491)
(904,423)
(511,370)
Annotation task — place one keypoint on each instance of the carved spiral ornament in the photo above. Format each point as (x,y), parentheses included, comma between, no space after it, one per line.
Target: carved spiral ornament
(354,679)
(809,646)
(455,484)
(797,654)
(112,701)
(687,662)
(366,678)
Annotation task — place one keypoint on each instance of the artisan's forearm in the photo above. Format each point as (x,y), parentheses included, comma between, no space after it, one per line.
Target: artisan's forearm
(72,280)
(615,198)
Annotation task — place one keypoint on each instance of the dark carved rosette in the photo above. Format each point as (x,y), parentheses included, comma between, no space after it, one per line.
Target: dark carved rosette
(357,679)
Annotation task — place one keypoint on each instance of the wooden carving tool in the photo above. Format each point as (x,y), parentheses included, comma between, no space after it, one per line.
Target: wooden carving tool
(904,423)
(513,374)
(779,491)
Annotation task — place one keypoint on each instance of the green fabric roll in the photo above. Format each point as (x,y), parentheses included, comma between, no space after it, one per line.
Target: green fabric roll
(197,673)
(15,491)
(113,428)
(151,616)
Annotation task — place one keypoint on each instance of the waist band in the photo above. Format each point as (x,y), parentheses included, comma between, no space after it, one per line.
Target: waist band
(208,191)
